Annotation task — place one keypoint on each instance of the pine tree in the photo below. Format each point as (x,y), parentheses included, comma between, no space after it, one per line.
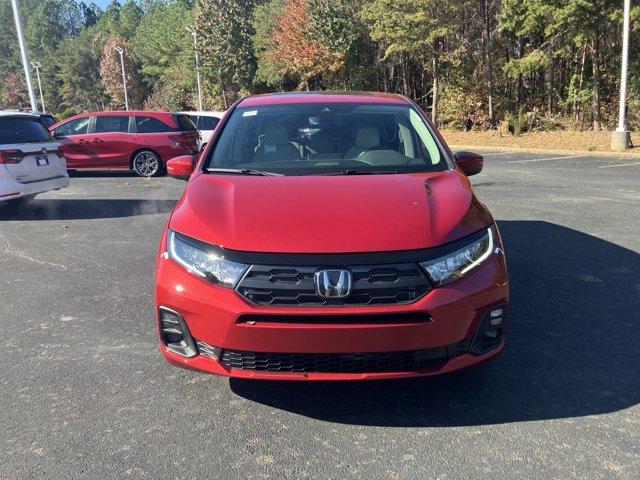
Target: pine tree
(225,32)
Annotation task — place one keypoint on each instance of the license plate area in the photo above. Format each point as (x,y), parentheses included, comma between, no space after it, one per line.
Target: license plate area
(42,160)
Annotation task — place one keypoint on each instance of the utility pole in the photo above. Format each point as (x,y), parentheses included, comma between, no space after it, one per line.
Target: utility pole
(37,66)
(194,34)
(23,53)
(621,138)
(120,50)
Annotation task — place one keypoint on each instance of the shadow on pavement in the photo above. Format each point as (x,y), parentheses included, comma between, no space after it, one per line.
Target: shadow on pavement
(572,348)
(55,209)
(101,173)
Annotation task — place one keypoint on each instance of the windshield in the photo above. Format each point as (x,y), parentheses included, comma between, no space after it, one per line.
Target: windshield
(326,138)
(22,130)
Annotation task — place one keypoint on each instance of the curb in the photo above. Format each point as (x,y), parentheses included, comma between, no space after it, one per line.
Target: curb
(632,153)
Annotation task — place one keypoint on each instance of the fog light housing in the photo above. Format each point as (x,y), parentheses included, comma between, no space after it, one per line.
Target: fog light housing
(208,350)
(175,334)
(490,331)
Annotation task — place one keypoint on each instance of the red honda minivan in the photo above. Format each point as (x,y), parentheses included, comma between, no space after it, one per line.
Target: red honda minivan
(329,236)
(133,140)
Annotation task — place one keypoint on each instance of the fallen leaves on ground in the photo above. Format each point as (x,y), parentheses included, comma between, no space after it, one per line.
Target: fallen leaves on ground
(556,140)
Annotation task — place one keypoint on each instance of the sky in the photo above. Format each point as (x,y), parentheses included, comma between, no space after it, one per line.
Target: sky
(102,3)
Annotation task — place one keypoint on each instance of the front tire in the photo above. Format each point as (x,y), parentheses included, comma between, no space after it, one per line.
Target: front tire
(146,164)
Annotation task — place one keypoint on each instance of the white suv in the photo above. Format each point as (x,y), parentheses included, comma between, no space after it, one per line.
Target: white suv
(205,122)
(31,161)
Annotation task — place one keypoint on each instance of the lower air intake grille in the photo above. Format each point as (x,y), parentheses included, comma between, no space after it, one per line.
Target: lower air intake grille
(404,361)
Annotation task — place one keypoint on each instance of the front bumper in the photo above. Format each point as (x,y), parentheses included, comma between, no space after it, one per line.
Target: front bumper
(10,189)
(215,317)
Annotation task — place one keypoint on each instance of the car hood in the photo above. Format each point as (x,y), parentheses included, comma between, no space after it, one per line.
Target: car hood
(329,214)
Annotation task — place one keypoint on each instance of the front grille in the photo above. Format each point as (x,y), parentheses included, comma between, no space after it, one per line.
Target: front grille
(404,361)
(372,285)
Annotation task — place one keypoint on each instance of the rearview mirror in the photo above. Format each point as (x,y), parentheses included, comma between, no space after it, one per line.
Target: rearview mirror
(470,163)
(181,167)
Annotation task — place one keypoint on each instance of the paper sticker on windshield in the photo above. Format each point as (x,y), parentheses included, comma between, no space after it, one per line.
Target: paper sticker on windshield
(250,113)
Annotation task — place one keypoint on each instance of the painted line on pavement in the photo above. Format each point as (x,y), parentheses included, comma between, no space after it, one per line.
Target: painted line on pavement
(530,160)
(620,165)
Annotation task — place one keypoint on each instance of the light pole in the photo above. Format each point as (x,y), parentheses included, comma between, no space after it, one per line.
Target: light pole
(120,50)
(23,53)
(194,34)
(37,66)
(621,138)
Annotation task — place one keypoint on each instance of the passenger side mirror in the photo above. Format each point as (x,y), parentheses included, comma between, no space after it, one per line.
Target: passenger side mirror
(181,167)
(470,163)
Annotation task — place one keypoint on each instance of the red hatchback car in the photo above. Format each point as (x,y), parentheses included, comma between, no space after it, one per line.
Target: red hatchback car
(133,140)
(329,237)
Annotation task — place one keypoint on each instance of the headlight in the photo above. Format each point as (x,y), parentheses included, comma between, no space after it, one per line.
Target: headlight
(206,263)
(449,268)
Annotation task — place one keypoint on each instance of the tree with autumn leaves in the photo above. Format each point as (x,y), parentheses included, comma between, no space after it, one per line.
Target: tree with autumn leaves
(295,53)
(466,62)
(225,31)
(111,74)
(476,61)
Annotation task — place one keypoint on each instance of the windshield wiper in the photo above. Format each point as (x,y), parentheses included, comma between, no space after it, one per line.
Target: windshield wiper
(351,171)
(244,171)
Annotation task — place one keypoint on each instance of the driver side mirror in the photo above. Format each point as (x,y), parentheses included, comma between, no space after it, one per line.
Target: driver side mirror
(470,163)
(181,167)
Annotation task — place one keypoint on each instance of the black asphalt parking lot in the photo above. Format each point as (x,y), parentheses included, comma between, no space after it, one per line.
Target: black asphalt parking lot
(85,393)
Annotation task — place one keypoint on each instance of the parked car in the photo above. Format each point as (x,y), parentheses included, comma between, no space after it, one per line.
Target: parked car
(205,122)
(134,140)
(326,237)
(45,118)
(31,161)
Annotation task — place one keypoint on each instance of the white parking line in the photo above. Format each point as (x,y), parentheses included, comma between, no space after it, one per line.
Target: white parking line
(500,153)
(506,170)
(620,165)
(530,160)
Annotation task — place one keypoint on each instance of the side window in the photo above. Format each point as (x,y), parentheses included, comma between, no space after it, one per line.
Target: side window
(151,125)
(426,141)
(196,120)
(78,126)
(112,123)
(185,123)
(208,123)
(47,121)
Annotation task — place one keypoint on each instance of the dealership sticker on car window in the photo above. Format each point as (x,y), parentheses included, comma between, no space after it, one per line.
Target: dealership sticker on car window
(250,113)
